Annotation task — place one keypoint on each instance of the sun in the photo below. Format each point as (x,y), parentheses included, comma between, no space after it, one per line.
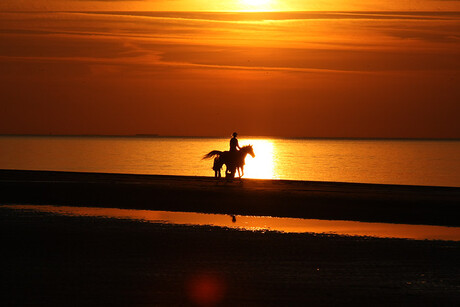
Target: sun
(256,5)
(256,2)
(263,165)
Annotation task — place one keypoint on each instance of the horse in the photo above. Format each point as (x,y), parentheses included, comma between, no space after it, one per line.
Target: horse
(233,160)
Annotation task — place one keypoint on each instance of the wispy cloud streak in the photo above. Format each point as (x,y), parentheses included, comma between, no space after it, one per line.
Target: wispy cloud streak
(301,73)
(334,45)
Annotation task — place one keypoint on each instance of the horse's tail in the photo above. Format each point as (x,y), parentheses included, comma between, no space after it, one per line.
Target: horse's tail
(212,154)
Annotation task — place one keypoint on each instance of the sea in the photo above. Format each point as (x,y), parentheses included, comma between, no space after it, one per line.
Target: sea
(387,161)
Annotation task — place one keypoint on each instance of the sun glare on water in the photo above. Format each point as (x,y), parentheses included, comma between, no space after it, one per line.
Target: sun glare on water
(263,165)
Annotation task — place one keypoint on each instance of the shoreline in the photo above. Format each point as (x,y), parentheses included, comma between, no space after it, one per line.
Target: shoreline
(264,197)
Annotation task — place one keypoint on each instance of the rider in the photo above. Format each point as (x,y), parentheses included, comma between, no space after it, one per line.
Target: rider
(234,146)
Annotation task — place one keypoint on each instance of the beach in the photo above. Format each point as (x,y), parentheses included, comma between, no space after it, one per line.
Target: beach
(54,260)
(282,198)
(342,115)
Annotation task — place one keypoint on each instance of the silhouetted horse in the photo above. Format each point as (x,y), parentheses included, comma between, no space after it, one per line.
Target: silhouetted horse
(232,159)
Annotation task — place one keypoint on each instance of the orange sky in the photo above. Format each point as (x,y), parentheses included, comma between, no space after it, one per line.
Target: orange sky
(300,74)
(231,5)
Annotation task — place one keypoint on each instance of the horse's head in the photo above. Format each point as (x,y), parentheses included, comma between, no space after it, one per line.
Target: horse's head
(248,150)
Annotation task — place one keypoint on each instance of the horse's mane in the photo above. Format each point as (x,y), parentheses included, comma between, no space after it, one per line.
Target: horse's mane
(245,147)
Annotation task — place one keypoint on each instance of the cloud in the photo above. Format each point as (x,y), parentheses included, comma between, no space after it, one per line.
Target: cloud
(286,16)
(204,40)
(93,71)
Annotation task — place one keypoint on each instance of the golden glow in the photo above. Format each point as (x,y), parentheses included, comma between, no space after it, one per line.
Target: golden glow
(262,166)
(257,5)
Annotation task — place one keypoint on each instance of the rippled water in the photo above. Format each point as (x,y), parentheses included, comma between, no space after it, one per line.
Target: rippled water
(370,161)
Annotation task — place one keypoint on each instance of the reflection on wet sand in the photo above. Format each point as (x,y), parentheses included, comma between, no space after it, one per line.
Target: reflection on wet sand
(259,223)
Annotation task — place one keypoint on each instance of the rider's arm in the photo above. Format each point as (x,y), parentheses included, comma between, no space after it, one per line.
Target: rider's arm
(237,145)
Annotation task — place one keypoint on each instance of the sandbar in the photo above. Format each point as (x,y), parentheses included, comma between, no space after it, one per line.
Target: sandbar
(283,198)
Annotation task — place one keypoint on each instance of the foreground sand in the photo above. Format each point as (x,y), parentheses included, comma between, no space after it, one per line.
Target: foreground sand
(304,199)
(52,260)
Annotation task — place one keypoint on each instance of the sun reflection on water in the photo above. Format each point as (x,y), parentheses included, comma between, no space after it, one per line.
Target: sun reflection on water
(263,165)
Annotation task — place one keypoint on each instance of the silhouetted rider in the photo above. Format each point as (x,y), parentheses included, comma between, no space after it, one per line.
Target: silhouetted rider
(234,146)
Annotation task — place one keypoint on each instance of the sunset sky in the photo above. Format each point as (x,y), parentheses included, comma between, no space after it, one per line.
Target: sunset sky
(202,68)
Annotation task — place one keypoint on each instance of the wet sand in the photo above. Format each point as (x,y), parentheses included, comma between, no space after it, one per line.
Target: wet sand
(283,198)
(53,260)
(258,223)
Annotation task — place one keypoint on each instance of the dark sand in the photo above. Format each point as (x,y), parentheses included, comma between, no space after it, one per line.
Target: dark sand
(51,260)
(78,261)
(283,198)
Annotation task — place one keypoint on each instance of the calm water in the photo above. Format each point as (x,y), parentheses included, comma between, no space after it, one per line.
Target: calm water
(370,161)
(258,223)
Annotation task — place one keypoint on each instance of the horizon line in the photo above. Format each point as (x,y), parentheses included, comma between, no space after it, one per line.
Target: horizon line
(242,136)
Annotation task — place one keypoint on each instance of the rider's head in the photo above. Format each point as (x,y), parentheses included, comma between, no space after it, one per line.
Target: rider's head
(234,134)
